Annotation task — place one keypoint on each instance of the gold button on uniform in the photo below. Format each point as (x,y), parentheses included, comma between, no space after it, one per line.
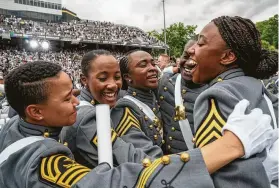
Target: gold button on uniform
(165,89)
(46,134)
(170,138)
(154,109)
(155,137)
(163,141)
(183,91)
(161,97)
(134,93)
(169,147)
(150,126)
(173,129)
(175,119)
(92,102)
(219,80)
(146,162)
(145,118)
(185,157)
(65,143)
(194,140)
(165,160)
(156,121)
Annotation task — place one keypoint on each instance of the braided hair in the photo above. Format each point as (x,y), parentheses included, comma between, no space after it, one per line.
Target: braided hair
(89,57)
(124,68)
(242,36)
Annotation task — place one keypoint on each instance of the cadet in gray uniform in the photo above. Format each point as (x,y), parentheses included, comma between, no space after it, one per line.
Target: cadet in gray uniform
(139,107)
(47,104)
(173,137)
(229,56)
(101,78)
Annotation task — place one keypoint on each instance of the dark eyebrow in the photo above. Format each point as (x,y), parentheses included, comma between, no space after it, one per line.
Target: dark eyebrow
(69,93)
(203,37)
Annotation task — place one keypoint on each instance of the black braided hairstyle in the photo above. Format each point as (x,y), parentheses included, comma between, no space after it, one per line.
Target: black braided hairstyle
(242,36)
(124,69)
(89,57)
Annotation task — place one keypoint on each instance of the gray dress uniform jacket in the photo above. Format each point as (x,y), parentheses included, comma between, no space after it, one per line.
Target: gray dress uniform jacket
(81,138)
(128,117)
(211,111)
(189,91)
(49,164)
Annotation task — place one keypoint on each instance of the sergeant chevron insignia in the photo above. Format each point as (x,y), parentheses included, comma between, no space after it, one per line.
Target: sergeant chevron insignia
(211,127)
(95,138)
(61,170)
(128,120)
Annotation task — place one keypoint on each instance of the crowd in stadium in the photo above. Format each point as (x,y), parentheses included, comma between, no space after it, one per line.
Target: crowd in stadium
(69,60)
(83,29)
(207,118)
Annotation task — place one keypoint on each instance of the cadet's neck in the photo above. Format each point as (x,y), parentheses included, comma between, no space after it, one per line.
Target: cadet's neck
(190,84)
(34,129)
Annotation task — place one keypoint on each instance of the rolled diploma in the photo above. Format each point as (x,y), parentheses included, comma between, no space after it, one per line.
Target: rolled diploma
(104,134)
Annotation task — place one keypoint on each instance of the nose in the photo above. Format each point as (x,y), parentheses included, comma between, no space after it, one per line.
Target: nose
(75,101)
(191,50)
(112,85)
(152,68)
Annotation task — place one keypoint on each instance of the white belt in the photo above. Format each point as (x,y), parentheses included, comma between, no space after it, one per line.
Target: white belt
(183,123)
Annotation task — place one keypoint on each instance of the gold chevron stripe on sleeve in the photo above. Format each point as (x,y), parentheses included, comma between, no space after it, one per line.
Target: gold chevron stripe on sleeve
(61,170)
(211,126)
(128,120)
(213,134)
(147,172)
(113,138)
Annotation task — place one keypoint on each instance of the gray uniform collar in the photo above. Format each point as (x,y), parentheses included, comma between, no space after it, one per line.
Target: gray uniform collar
(147,97)
(28,129)
(229,74)
(85,95)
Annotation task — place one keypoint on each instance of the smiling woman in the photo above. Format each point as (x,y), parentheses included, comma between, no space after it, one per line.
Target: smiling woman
(229,57)
(101,78)
(138,109)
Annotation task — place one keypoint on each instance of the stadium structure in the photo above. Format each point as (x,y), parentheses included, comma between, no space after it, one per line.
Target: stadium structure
(45,25)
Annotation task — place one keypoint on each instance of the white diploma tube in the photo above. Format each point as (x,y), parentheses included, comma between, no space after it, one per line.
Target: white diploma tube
(104,134)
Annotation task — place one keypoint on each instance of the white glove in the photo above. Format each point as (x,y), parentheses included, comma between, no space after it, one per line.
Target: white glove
(253,130)
(271,162)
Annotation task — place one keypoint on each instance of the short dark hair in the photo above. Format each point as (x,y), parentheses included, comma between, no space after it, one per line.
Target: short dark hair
(27,84)
(89,57)
(242,36)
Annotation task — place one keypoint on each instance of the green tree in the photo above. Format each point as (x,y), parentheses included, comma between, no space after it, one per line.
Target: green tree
(178,35)
(267,46)
(269,30)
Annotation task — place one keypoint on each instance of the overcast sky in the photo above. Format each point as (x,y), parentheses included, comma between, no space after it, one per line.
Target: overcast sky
(148,14)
